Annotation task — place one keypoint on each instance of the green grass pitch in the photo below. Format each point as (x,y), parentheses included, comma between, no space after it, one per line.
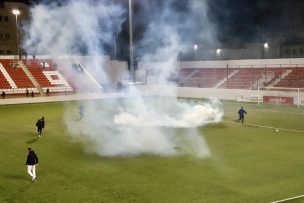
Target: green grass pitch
(248,163)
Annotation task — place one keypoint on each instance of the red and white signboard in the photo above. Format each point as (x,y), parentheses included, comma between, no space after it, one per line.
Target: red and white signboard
(278,100)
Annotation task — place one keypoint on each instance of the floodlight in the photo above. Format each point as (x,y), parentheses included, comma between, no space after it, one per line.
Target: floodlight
(218,51)
(16,12)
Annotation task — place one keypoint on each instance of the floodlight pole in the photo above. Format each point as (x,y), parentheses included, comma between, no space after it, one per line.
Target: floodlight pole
(131,42)
(17,36)
(16,12)
(115,48)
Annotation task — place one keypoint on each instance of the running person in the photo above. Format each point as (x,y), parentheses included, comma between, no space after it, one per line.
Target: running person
(40,125)
(241,113)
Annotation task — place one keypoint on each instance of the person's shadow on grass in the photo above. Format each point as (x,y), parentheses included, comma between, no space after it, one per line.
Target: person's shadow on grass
(15,176)
(32,140)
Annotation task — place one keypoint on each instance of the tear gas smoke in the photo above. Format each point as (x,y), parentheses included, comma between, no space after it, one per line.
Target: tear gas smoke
(71,29)
(183,116)
(133,126)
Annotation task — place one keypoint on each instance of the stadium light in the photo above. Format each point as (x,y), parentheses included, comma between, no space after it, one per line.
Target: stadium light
(195,47)
(131,42)
(218,51)
(17,12)
(265,49)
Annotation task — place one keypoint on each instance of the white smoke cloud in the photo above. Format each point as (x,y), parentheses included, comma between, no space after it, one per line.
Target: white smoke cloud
(74,28)
(167,35)
(135,126)
(124,127)
(182,115)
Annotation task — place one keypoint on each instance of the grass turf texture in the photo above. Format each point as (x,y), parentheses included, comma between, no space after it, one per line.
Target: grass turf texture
(248,164)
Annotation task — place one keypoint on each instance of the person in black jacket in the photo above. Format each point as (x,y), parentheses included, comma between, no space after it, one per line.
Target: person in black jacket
(241,113)
(40,125)
(31,162)
(3,94)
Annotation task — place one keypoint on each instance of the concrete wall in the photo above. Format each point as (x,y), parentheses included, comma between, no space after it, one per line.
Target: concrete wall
(222,94)
(260,63)
(235,94)
(225,94)
(117,70)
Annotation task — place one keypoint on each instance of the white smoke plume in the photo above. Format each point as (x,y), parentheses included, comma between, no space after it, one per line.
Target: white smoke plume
(175,115)
(73,28)
(133,126)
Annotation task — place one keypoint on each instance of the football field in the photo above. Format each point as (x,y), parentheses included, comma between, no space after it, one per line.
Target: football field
(250,162)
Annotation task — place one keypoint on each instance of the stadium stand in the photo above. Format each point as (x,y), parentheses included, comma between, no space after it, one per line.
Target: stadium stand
(295,79)
(202,77)
(244,78)
(75,75)
(17,74)
(4,84)
(40,76)
(63,76)
(241,78)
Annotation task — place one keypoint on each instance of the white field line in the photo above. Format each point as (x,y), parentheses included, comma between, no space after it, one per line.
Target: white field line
(284,200)
(265,126)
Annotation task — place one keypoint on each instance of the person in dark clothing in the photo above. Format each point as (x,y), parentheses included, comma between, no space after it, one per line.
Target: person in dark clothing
(81,111)
(119,86)
(40,125)
(241,113)
(3,94)
(47,92)
(27,93)
(31,162)
(32,94)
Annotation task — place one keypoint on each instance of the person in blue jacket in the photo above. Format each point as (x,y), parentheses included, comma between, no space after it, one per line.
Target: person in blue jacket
(241,113)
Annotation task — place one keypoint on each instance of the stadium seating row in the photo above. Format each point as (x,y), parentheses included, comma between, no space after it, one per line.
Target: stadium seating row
(62,76)
(241,78)
(39,76)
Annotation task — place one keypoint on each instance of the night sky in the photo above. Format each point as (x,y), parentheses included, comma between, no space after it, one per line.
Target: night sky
(238,21)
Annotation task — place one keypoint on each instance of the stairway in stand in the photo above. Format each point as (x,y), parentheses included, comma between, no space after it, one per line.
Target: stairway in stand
(31,77)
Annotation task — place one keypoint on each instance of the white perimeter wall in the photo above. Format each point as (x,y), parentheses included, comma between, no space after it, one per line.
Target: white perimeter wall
(233,94)
(260,63)
(221,94)
(225,94)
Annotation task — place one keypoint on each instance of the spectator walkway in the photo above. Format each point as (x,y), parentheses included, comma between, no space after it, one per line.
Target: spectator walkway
(61,98)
